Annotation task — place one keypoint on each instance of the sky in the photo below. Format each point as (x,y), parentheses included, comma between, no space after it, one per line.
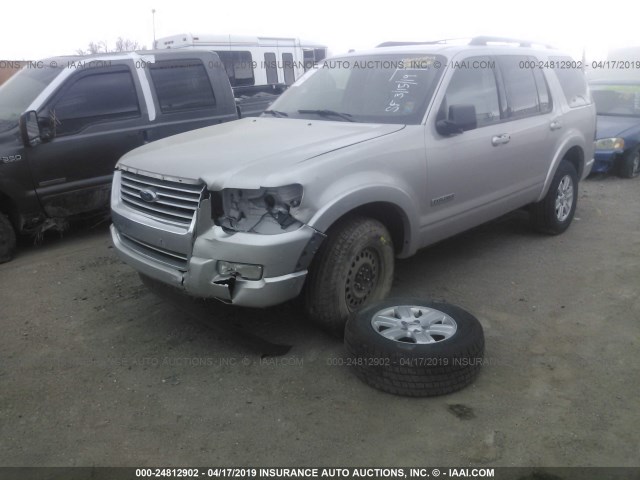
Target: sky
(37,29)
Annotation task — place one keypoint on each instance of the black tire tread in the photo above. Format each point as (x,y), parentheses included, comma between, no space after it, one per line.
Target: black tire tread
(417,381)
(319,300)
(625,169)
(410,369)
(7,239)
(542,213)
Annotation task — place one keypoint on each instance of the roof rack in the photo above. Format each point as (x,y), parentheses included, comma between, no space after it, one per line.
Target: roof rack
(482,40)
(430,42)
(485,40)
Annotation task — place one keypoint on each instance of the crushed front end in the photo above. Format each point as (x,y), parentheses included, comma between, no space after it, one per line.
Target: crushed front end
(240,246)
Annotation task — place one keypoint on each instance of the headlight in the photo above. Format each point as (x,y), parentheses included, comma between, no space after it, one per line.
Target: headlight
(264,210)
(616,143)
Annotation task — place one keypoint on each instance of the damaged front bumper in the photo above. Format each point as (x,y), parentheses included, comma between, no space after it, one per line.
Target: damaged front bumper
(285,259)
(187,255)
(605,160)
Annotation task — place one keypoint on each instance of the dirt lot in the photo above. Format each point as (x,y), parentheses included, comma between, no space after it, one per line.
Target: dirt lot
(96,371)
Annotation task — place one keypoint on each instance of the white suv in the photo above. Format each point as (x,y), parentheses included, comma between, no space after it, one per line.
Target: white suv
(368,157)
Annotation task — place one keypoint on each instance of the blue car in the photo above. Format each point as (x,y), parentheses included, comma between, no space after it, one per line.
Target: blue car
(618,136)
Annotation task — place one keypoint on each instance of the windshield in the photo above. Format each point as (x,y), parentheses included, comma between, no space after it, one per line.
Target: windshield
(17,93)
(369,89)
(617,99)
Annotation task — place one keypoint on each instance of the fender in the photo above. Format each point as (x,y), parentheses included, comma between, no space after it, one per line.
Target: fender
(15,184)
(347,201)
(573,139)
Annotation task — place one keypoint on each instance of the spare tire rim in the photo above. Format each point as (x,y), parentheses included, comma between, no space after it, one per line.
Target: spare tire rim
(362,278)
(564,198)
(414,324)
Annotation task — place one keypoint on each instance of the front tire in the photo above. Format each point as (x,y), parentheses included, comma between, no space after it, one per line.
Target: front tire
(630,165)
(352,269)
(554,213)
(7,239)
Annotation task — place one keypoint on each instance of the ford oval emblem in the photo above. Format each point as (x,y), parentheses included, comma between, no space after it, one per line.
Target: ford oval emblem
(148,195)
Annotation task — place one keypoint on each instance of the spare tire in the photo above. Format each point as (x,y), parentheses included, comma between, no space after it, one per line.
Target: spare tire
(415,347)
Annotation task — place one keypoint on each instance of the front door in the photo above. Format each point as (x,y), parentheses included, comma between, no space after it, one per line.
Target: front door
(97,117)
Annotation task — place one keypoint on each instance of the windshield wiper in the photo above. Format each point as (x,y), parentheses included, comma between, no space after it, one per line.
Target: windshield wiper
(276,113)
(330,113)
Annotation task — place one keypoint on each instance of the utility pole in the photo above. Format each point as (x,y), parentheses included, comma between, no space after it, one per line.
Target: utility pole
(153,21)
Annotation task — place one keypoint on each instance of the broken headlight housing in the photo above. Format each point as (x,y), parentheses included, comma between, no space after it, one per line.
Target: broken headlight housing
(265,210)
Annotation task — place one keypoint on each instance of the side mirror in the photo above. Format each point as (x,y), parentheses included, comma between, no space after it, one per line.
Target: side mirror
(461,119)
(30,129)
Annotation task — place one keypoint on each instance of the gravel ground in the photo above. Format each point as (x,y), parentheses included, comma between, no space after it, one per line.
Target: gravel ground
(98,371)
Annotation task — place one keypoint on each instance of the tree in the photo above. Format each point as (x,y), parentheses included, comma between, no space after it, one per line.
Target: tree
(127,45)
(122,45)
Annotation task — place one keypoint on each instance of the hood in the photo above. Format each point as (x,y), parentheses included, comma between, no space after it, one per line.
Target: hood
(249,149)
(610,126)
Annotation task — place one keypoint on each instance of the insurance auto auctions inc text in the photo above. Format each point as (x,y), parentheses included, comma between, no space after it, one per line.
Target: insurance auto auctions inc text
(374,472)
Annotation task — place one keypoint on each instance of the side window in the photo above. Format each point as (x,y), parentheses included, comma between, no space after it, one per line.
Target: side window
(520,86)
(287,64)
(308,59)
(544,96)
(572,80)
(95,98)
(474,86)
(239,67)
(243,68)
(271,67)
(182,85)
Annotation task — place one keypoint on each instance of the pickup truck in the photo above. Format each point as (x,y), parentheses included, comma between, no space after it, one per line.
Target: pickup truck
(65,122)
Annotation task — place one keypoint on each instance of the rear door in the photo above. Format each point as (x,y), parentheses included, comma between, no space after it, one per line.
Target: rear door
(97,116)
(534,131)
(190,90)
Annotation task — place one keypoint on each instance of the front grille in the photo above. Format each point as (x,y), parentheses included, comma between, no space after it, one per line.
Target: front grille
(176,201)
(162,255)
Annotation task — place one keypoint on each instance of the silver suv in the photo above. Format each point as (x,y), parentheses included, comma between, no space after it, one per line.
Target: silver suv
(369,156)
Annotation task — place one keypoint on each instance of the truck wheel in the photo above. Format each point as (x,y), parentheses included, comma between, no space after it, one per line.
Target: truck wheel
(630,165)
(7,239)
(554,213)
(415,347)
(353,268)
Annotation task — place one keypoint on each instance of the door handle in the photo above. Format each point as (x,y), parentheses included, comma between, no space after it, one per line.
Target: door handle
(500,139)
(555,125)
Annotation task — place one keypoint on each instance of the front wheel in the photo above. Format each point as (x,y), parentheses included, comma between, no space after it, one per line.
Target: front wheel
(352,269)
(630,166)
(554,213)
(7,239)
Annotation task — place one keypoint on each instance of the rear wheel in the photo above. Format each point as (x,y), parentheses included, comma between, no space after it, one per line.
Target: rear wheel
(630,165)
(352,269)
(554,213)
(7,239)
